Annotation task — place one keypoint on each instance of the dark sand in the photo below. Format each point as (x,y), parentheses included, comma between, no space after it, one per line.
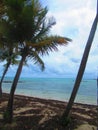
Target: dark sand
(41,114)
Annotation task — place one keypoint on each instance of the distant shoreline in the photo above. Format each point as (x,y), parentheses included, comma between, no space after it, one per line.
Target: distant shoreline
(9,81)
(54,88)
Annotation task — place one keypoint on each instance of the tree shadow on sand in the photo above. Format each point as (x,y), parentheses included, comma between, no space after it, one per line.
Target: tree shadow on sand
(40,114)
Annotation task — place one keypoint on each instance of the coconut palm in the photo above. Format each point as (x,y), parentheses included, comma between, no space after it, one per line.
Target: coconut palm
(27,25)
(11,58)
(66,113)
(8,49)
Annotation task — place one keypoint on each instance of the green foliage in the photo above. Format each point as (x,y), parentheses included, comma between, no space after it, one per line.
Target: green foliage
(50,43)
(26,25)
(23,21)
(37,60)
(9,56)
(24,30)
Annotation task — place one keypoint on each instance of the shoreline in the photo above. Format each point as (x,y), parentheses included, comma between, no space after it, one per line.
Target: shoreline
(48,99)
(45,114)
(60,89)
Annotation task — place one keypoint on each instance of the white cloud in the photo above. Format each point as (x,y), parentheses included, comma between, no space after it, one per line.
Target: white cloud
(74,19)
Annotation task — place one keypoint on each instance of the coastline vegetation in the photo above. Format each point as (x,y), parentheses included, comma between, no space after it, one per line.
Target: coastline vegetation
(24,31)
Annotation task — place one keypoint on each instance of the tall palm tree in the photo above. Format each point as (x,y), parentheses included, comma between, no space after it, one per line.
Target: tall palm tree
(28,26)
(66,113)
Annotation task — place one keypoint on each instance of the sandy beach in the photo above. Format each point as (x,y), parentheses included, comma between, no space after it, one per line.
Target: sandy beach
(32,113)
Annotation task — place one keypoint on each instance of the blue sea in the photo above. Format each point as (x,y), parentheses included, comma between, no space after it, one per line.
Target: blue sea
(54,88)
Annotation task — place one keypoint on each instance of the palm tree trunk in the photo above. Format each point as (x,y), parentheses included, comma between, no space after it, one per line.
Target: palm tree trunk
(66,114)
(4,73)
(8,115)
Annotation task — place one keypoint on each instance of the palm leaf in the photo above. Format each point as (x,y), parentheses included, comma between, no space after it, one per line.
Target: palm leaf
(48,44)
(43,27)
(37,60)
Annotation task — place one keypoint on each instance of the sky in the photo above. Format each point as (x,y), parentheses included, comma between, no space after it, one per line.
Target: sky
(74,19)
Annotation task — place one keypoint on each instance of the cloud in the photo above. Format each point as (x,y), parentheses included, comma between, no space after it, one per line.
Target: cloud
(70,14)
(74,60)
(74,19)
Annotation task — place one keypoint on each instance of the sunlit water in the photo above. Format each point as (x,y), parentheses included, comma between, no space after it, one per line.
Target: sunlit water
(55,88)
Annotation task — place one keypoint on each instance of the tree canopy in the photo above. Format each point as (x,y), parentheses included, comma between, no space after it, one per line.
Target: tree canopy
(24,28)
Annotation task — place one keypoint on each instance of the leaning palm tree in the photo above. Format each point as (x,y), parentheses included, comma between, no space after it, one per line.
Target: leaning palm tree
(66,113)
(27,26)
(11,58)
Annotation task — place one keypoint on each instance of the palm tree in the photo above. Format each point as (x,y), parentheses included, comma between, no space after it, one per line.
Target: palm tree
(66,113)
(11,58)
(30,32)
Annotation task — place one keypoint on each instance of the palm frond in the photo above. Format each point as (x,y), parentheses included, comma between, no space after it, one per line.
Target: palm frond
(37,60)
(44,28)
(50,43)
(5,65)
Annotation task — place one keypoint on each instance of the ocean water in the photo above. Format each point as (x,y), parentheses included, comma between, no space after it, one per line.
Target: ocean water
(55,88)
